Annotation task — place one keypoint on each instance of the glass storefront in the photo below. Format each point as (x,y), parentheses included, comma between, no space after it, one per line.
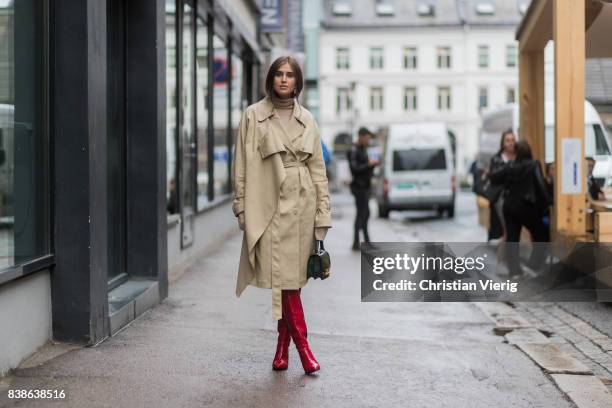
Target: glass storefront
(199,162)
(220,119)
(187,126)
(238,97)
(171,108)
(116,143)
(202,109)
(24,199)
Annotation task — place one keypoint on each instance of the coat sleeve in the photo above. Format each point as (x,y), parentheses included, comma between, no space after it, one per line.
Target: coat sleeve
(316,167)
(356,167)
(239,167)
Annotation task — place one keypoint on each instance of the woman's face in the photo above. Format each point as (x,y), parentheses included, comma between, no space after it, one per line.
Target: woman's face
(284,81)
(509,143)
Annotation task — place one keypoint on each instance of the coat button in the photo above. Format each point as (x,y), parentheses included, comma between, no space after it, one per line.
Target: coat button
(294,212)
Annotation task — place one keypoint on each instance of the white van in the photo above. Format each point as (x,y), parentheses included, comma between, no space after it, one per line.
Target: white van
(417,169)
(597,143)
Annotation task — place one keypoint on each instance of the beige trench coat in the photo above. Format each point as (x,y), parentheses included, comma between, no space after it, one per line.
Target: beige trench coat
(281,186)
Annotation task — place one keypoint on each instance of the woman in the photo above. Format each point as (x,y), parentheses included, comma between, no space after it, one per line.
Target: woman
(525,201)
(504,155)
(281,199)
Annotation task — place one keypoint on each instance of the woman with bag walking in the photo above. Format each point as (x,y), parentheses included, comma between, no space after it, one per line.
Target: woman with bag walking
(526,200)
(282,203)
(494,190)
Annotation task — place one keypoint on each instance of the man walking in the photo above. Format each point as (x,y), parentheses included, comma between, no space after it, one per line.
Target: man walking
(361,169)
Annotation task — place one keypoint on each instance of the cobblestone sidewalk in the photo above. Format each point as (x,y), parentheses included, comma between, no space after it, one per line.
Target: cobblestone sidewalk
(574,336)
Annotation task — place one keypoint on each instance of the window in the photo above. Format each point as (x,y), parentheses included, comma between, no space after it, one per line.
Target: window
(24,198)
(203,174)
(410,99)
(220,116)
(171,109)
(384,8)
(343,100)
(419,159)
(510,95)
(483,98)
(511,56)
(342,8)
(410,58)
(444,57)
(376,99)
(377,58)
(343,59)
(444,98)
(483,56)
(425,9)
(485,8)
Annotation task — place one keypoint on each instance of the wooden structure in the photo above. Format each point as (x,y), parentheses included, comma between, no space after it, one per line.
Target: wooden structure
(580,29)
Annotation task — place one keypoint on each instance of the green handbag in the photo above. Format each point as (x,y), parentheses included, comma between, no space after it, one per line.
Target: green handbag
(319,262)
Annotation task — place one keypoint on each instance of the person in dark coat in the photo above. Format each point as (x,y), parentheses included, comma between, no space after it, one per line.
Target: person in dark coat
(362,168)
(526,199)
(593,186)
(504,155)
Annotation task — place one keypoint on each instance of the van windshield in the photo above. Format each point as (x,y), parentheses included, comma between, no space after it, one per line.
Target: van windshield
(419,159)
(595,141)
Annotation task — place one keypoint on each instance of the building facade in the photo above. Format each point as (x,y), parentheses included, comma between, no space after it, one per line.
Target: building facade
(117,123)
(384,61)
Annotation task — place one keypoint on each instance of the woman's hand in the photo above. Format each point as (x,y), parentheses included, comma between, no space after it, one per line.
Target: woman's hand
(241,221)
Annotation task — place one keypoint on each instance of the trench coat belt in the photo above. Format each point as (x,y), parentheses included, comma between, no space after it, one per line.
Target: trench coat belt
(294,164)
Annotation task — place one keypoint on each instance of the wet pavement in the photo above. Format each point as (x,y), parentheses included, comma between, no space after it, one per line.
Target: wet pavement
(203,347)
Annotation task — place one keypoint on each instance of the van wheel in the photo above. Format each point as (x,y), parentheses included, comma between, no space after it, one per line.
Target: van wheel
(451,211)
(383,212)
(441,212)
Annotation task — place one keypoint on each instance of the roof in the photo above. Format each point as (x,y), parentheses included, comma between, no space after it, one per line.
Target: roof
(363,13)
(598,85)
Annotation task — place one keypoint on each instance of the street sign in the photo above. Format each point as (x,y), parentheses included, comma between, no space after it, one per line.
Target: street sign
(272,16)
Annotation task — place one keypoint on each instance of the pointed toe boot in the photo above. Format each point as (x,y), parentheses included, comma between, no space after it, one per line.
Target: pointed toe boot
(281,358)
(293,314)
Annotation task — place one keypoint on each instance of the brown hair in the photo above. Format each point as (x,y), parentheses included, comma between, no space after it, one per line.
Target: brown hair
(503,137)
(295,67)
(523,151)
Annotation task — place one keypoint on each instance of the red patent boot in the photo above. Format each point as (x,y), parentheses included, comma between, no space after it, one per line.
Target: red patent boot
(281,358)
(293,314)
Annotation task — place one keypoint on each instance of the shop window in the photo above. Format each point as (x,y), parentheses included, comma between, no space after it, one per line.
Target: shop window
(171,109)
(220,116)
(203,175)
(24,198)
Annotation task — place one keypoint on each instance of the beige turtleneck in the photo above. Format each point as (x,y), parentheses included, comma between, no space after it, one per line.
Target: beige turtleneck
(284,107)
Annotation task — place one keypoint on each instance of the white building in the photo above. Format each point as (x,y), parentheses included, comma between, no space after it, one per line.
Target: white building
(385,62)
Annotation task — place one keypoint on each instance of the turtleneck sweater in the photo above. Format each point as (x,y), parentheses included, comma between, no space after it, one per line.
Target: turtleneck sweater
(284,107)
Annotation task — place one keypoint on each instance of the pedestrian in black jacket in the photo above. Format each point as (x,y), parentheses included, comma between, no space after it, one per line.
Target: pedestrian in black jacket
(362,168)
(526,200)
(505,154)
